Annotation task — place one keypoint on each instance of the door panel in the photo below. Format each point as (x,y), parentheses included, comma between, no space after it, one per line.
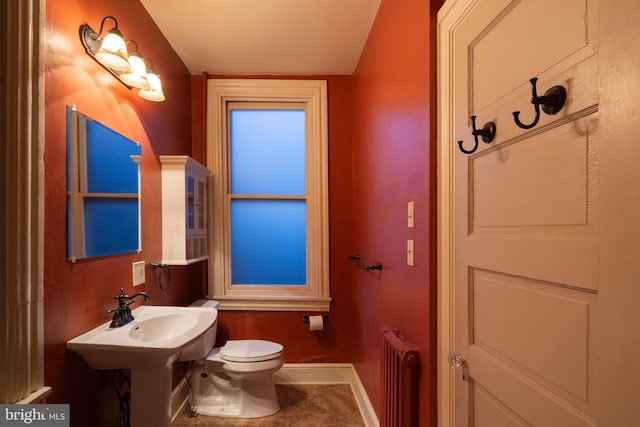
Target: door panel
(504,193)
(535,404)
(535,327)
(505,44)
(489,411)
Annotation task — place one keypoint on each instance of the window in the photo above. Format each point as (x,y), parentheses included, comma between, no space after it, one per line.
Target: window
(267,148)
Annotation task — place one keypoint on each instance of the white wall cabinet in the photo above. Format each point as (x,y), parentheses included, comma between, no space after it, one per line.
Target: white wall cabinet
(184,210)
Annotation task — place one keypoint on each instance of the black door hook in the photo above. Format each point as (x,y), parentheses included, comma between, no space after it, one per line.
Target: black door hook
(487,133)
(552,101)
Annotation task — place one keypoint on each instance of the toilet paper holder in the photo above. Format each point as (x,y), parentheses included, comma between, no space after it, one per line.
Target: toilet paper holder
(325,319)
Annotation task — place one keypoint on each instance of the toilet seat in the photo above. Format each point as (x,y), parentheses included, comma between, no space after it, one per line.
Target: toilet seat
(246,351)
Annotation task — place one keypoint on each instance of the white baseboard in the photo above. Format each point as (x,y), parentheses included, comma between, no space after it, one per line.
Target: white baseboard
(303,373)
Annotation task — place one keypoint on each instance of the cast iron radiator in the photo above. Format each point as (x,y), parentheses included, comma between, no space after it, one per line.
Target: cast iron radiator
(400,363)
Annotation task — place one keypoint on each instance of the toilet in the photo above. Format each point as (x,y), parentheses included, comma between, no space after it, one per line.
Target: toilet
(235,380)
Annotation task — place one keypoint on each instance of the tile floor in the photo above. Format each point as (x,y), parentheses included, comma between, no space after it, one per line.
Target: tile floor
(302,405)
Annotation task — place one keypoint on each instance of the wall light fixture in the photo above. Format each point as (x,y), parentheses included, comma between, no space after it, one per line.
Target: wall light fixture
(154,91)
(136,75)
(129,67)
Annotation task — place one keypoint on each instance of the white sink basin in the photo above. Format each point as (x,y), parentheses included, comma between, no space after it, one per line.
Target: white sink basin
(156,336)
(164,327)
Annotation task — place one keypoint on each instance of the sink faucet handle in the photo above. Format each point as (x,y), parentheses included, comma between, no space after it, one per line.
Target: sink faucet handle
(117,319)
(122,296)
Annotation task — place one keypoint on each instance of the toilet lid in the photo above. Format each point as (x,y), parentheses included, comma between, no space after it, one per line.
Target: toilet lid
(250,350)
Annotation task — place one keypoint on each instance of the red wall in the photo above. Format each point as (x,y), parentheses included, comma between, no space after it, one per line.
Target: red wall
(333,344)
(77,295)
(393,163)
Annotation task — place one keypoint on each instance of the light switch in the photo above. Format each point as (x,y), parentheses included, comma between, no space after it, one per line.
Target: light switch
(411,223)
(138,273)
(410,252)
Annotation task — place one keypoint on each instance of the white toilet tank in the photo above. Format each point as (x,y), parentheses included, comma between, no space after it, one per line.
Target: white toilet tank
(200,348)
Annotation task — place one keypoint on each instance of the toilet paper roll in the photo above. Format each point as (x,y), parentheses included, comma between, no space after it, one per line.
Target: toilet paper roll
(316,323)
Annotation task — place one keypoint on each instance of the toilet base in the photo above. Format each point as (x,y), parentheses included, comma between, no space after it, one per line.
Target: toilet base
(218,395)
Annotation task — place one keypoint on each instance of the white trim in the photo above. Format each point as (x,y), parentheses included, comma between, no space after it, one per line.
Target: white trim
(450,17)
(314,296)
(37,397)
(304,373)
(22,250)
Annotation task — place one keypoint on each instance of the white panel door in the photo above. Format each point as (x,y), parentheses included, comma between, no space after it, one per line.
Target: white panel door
(537,266)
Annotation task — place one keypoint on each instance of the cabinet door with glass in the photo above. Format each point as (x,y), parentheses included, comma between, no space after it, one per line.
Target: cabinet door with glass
(196,207)
(184,210)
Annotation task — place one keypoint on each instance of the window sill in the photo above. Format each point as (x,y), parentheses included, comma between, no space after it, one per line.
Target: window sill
(272,304)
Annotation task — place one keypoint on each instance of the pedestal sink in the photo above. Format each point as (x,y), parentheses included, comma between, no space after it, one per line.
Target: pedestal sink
(148,346)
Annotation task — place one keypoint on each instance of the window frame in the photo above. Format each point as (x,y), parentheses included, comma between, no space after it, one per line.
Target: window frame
(312,94)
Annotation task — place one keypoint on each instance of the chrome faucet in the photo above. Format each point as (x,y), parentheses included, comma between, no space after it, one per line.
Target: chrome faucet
(122,313)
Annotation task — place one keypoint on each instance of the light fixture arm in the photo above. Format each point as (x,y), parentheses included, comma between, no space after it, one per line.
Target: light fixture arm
(135,43)
(102,25)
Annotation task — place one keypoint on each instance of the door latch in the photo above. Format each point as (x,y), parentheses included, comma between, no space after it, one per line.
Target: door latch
(458,361)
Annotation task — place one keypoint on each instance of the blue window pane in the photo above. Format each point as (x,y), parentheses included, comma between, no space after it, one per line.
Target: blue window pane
(268,242)
(111,226)
(110,168)
(268,152)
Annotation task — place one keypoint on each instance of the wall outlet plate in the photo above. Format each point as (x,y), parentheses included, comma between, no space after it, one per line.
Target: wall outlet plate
(138,273)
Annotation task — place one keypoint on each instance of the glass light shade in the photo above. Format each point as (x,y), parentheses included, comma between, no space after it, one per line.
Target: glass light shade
(113,51)
(154,93)
(136,75)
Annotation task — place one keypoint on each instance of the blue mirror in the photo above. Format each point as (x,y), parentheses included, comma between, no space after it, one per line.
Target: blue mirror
(103,182)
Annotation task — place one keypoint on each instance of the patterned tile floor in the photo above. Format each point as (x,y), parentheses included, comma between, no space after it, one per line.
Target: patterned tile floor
(301,405)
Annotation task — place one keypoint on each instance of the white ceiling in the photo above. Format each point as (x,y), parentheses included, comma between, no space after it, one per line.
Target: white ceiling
(293,37)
